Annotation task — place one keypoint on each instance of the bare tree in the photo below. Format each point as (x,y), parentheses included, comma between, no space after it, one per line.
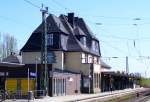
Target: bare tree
(1,51)
(8,44)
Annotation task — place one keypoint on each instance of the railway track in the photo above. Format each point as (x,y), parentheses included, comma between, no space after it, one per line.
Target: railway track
(113,96)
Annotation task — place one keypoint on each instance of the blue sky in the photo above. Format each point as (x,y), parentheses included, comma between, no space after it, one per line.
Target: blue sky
(118,34)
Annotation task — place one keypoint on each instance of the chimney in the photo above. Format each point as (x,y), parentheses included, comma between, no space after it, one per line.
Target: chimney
(71,19)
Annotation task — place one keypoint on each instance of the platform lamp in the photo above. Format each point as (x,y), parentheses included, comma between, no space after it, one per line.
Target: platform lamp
(36,69)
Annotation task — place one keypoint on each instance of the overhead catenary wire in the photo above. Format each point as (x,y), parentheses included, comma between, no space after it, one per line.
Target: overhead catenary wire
(66,8)
(117,49)
(116,37)
(59,4)
(69,9)
(31,3)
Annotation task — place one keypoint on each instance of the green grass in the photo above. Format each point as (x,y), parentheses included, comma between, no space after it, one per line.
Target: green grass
(145,82)
(122,98)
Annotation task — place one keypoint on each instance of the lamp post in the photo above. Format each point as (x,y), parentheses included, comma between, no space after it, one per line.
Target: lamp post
(28,84)
(89,78)
(36,70)
(28,79)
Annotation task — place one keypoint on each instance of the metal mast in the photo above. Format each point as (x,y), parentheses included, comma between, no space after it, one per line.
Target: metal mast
(127,65)
(44,73)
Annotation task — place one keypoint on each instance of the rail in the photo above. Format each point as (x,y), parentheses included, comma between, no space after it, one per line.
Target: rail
(103,98)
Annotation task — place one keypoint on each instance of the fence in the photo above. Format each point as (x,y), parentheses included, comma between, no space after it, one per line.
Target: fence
(20,94)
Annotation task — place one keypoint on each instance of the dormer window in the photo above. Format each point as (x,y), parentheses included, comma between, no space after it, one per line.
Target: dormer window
(95,46)
(83,41)
(50,39)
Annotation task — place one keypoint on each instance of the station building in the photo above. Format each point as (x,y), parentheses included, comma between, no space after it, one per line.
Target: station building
(74,64)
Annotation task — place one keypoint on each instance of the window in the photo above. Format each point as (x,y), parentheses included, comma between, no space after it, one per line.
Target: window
(84,58)
(90,59)
(96,60)
(95,80)
(95,46)
(83,41)
(50,39)
(64,39)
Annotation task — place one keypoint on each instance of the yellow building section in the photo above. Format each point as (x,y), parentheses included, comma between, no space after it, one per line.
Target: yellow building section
(24,85)
(11,85)
(21,84)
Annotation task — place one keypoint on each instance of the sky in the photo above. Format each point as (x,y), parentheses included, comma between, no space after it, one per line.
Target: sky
(122,26)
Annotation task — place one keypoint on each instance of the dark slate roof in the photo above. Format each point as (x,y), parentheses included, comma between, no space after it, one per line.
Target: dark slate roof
(72,44)
(33,43)
(104,65)
(13,58)
(66,24)
(60,25)
(54,24)
(123,74)
(78,31)
(81,23)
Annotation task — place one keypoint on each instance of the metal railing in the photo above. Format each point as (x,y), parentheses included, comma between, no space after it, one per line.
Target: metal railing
(21,94)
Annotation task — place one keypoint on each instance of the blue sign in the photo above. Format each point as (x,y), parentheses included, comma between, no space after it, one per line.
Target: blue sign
(32,74)
(50,57)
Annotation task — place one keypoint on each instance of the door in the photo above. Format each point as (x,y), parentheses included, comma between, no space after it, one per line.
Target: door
(2,83)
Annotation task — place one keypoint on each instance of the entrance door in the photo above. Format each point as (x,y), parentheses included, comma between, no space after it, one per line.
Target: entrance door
(2,83)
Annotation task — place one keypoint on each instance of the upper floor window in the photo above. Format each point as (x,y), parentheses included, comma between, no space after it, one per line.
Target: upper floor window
(83,41)
(84,58)
(96,60)
(90,58)
(95,46)
(50,39)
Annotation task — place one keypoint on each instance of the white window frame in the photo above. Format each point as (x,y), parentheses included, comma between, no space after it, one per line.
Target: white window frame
(93,45)
(50,38)
(84,58)
(96,47)
(83,41)
(90,58)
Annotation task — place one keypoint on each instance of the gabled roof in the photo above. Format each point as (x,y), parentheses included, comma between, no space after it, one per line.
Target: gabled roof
(61,25)
(12,61)
(11,65)
(13,58)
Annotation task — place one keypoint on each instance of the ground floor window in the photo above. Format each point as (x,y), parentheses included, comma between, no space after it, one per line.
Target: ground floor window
(96,80)
(59,86)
